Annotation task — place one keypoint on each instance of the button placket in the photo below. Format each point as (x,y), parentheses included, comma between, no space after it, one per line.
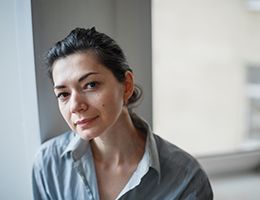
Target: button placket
(79,168)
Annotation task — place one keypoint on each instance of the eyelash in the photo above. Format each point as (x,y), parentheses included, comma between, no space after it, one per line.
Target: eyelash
(63,95)
(91,83)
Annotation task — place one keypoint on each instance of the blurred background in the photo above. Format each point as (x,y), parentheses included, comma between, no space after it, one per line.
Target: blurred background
(206,74)
(198,63)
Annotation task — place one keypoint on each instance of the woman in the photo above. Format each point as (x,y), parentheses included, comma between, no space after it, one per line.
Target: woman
(111,153)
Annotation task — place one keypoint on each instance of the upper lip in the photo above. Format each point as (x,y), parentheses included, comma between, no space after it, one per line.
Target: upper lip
(85,120)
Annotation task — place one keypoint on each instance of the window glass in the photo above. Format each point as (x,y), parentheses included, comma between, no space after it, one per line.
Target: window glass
(205,98)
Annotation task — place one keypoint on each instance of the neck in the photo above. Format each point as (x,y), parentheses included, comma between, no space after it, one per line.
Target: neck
(122,144)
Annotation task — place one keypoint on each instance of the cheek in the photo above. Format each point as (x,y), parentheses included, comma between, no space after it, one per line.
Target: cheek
(66,116)
(64,112)
(111,103)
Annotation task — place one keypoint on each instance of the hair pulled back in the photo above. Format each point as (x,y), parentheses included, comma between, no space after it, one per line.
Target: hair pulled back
(104,47)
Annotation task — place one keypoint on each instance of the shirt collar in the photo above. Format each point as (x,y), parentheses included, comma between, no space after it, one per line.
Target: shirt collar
(77,147)
(150,146)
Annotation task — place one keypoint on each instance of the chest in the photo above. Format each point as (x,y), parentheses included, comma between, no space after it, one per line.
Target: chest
(112,181)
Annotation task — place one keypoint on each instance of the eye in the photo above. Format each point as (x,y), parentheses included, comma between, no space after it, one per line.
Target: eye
(91,85)
(62,95)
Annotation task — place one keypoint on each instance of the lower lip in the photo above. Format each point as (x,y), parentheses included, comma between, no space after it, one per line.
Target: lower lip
(86,123)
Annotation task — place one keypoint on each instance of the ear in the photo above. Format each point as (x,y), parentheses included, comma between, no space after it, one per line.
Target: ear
(128,86)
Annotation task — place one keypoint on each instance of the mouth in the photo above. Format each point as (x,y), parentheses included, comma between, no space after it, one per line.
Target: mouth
(85,122)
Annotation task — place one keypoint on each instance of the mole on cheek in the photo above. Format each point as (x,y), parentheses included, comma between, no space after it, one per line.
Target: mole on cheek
(103,105)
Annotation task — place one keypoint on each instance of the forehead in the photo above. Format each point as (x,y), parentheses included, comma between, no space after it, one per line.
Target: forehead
(74,65)
(83,60)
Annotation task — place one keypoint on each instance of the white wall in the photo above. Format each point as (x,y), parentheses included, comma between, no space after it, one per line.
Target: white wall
(18,105)
(200,53)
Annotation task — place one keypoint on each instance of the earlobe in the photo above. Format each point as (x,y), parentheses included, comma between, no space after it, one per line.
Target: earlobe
(128,86)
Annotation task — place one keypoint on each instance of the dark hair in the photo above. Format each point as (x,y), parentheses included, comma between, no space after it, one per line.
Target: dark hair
(105,48)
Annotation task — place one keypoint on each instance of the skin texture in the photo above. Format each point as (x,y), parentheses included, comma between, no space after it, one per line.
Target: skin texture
(93,103)
(97,98)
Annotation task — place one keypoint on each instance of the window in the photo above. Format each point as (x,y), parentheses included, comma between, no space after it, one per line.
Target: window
(201,54)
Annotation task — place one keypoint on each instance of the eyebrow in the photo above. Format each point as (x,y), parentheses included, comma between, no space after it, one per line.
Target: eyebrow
(79,80)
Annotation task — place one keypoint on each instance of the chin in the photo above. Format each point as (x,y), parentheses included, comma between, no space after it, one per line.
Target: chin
(87,136)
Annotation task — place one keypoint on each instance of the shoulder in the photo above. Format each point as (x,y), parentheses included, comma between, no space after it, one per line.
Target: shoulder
(182,170)
(51,150)
(175,160)
(172,153)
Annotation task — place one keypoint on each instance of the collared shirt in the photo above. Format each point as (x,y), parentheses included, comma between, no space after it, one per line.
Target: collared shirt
(64,170)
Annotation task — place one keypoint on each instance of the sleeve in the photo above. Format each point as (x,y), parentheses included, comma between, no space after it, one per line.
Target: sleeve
(199,188)
(38,185)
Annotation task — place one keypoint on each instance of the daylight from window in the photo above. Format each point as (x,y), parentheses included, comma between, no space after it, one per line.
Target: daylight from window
(206,75)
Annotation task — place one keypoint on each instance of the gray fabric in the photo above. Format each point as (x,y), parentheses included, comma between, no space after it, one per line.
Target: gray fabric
(64,170)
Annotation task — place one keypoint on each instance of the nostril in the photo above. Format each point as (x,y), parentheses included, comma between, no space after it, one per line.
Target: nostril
(77,103)
(79,107)
(83,106)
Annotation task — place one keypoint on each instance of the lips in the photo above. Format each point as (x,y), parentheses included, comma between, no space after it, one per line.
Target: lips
(85,122)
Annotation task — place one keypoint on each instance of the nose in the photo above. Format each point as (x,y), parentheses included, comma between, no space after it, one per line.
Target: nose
(78,103)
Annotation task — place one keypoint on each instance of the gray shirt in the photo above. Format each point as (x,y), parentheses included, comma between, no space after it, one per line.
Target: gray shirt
(64,170)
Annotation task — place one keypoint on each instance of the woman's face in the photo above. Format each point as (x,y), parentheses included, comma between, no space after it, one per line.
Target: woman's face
(90,98)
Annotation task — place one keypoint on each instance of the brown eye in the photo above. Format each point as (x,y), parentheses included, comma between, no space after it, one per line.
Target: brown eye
(62,95)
